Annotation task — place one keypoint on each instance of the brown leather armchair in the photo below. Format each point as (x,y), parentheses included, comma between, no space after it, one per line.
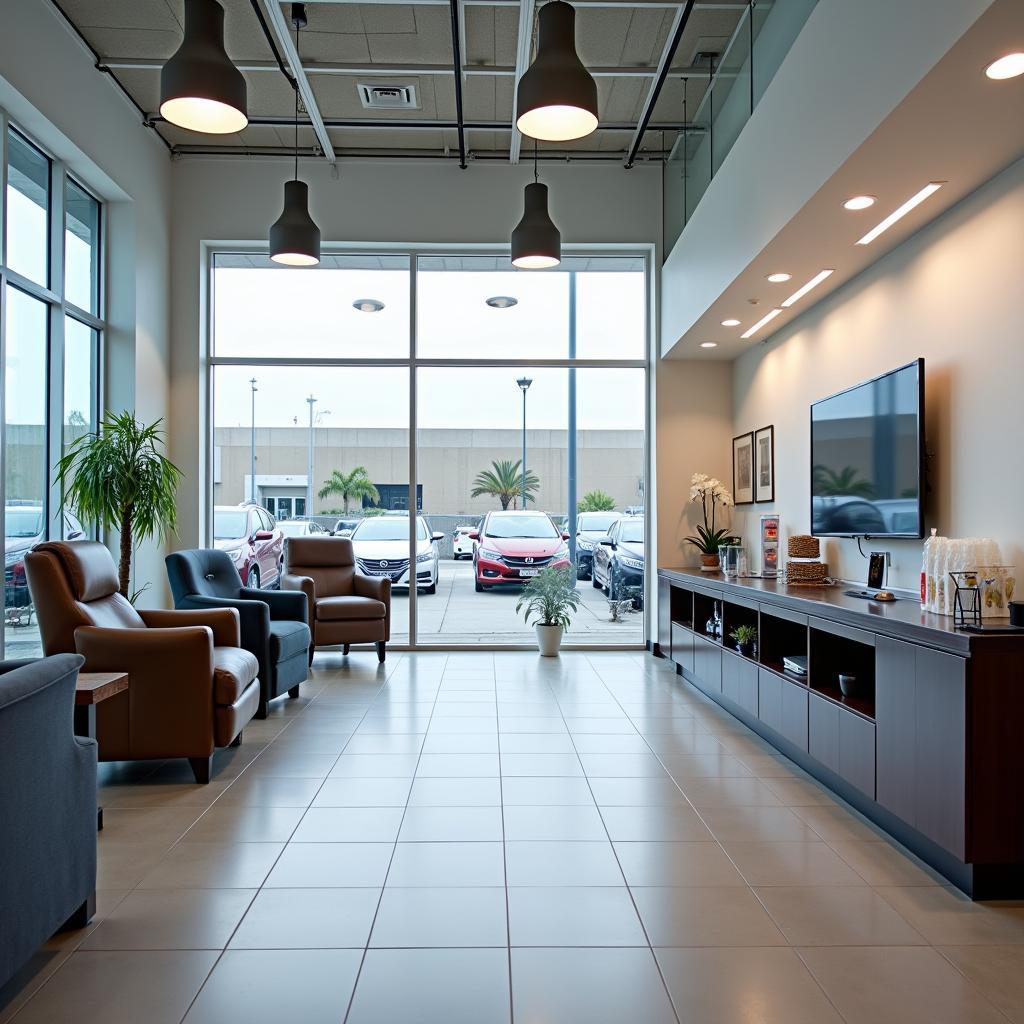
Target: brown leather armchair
(191,686)
(345,607)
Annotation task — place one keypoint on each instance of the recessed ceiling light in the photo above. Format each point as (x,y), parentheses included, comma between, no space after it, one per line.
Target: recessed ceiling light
(730,323)
(804,289)
(1009,66)
(368,305)
(502,301)
(709,344)
(915,200)
(767,318)
(779,278)
(860,202)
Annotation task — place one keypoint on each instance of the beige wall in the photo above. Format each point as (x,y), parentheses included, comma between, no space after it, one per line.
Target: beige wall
(951,293)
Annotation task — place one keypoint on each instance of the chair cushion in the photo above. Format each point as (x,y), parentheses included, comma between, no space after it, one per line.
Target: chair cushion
(288,638)
(344,609)
(233,670)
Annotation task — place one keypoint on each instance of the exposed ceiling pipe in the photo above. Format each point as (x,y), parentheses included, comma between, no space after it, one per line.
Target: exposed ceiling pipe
(457,71)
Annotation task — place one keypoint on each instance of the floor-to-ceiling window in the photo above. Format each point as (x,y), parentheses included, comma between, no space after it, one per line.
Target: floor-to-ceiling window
(50,338)
(333,387)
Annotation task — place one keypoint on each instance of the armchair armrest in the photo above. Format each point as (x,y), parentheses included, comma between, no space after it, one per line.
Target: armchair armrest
(223,621)
(283,604)
(372,586)
(305,585)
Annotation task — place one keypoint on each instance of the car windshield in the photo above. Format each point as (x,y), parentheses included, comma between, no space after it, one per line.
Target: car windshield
(388,529)
(229,525)
(596,522)
(632,532)
(23,522)
(511,527)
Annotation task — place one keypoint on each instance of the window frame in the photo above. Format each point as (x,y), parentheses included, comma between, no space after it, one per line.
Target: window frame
(58,308)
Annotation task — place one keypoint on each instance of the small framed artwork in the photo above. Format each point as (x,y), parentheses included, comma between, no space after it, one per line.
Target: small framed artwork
(764,464)
(743,469)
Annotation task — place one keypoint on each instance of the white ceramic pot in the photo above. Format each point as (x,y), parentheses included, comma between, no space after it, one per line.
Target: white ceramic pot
(549,639)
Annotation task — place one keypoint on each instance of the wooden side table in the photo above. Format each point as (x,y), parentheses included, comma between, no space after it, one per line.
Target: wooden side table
(91,689)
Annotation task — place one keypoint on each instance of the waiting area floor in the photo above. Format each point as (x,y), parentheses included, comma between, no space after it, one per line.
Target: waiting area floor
(478,838)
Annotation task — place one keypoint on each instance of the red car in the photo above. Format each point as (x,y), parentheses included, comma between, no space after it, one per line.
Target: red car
(512,547)
(250,535)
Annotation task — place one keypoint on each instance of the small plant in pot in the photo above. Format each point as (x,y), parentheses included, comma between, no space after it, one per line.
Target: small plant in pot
(550,599)
(745,637)
(711,494)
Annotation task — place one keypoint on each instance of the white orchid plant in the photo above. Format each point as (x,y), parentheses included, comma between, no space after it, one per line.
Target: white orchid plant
(711,493)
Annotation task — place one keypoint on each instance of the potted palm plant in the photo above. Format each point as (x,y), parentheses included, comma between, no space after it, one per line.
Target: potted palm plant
(118,479)
(711,494)
(551,597)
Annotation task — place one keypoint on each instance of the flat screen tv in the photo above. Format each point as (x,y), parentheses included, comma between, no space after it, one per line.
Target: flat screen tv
(867,458)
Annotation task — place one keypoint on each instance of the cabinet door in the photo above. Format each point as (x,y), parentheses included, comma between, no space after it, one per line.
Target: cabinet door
(747,686)
(941,748)
(682,646)
(731,676)
(794,713)
(857,751)
(769,699)
(896,727)
(664,617)
(707,665)
(823,731)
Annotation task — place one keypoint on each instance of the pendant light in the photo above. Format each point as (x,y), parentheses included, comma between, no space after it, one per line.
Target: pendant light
(294,236)
(557,98)
(200,89)
(536,242)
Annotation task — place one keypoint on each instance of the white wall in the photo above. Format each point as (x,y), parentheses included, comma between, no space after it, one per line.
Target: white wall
(218,200)
(49,86)
(951,293)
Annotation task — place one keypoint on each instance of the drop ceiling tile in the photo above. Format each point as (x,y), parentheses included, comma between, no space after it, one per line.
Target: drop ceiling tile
(430,141)
(144,87)
(343,18)
(269,94)
(390,19)
(335,47)
(645,38)
(158,44)
(624,98)
(478,98)
(478,46)
(154,14)
(601,34)
(444,97)
(430,41)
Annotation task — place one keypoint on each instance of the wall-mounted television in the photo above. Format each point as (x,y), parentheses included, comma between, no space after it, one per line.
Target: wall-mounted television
(867,458)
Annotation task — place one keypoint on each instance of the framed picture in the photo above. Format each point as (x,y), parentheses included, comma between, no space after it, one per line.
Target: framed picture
(764,464)
(743,469)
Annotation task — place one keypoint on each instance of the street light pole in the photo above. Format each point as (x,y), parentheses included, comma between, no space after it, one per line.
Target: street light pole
(252,442)
(311,401)
(524,386)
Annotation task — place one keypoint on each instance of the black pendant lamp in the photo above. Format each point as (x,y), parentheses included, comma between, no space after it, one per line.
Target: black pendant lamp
(557,98)
(294,236)
(200,89)
(536,242)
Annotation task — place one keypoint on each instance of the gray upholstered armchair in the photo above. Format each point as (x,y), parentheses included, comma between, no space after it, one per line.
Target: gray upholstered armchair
(47,808)
(273,622)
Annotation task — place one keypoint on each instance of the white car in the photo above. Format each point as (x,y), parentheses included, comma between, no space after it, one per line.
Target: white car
(301,528)
(462,542)
(381,546)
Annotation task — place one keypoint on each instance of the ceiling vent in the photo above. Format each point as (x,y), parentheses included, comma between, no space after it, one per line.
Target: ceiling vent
(388,97)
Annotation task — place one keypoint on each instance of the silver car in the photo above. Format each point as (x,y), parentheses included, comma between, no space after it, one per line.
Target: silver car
(381,546)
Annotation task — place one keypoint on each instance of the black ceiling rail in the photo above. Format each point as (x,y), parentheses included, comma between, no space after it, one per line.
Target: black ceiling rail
(97,61)
(457,67)
(659,82)
(272,43)
(427,124)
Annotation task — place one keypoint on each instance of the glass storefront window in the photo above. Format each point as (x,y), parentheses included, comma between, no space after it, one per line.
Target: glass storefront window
(28,210)
(81,248)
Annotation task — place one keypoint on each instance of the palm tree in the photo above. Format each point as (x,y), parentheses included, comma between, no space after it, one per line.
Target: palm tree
(356,484)
(504,480)
(841,483)
(596,501)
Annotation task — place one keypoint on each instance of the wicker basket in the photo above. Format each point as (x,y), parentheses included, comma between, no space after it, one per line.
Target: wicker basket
(802,545)
(807,573)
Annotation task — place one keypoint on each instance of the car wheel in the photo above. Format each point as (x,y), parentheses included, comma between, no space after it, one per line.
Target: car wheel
(594,581)
(478,586)
(252,580)
(432,589)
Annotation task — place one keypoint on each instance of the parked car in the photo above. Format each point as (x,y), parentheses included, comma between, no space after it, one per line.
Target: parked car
(619,559)
(23,527)
(590,528)
(344,527)
(512,547)
(381,546)
(462,541)
(250,534)
(301,528)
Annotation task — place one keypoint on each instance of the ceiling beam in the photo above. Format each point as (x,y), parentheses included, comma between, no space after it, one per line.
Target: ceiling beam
(679,24)
(433,124)
(279,27)
(620,4)
(457,75)
(524,42)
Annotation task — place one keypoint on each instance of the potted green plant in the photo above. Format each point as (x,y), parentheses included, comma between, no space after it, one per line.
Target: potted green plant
(711,494)
(118,479)
(745,637)
(551,598)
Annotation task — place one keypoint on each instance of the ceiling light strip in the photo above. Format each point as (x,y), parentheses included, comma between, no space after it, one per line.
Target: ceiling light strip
(766,319)
(900,212)
(804,289)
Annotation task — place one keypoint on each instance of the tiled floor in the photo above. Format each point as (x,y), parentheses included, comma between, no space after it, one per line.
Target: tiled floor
(484,837)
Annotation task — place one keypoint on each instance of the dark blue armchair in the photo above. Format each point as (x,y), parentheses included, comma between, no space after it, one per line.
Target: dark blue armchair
(47,808)
(274,623)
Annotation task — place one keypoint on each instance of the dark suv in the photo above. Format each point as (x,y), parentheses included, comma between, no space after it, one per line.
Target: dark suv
(619,559)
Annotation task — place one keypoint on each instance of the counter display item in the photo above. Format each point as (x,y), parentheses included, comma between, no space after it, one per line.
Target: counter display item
(997,581)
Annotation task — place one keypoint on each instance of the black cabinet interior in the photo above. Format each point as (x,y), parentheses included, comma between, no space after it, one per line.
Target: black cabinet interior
(832,655)
(780,638)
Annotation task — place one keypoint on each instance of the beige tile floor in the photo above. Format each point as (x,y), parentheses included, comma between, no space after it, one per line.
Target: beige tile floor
(486,837)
